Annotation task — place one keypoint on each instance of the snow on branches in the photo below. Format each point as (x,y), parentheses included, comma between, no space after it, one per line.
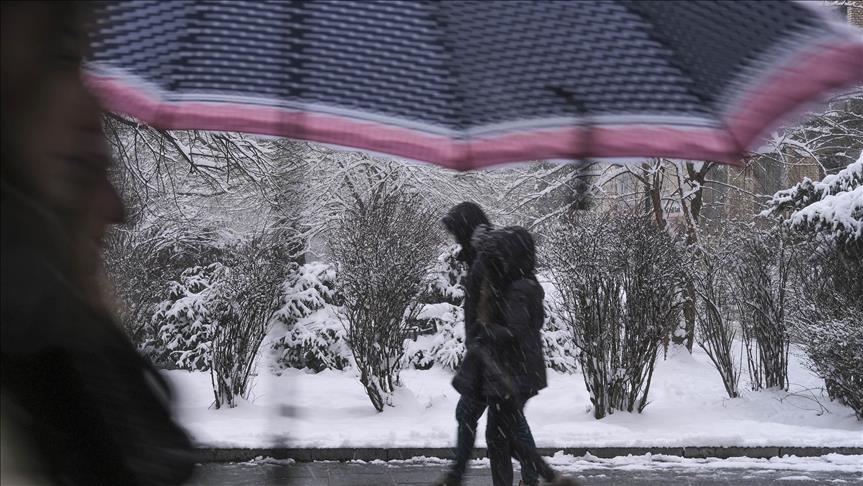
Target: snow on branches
(832,207)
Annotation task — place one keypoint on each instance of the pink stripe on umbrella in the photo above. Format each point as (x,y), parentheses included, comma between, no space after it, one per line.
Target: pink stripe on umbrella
(808,77)
(812,75)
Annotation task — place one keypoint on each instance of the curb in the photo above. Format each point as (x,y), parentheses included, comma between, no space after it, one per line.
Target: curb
(390,454)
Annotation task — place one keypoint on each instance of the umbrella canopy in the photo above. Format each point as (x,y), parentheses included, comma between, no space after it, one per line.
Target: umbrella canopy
(468,84)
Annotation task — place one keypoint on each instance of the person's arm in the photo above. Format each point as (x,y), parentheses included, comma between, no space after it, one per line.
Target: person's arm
(516,316)
(496,333)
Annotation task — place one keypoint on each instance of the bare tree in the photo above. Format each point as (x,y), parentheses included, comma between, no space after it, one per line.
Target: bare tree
(339,180)
(383,247)
(829,140)
(656,188)
(537,195)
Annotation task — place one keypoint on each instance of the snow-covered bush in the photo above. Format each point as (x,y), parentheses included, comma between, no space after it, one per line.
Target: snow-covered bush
(140,261)
(445,346)
(557,337)
(439,325)
(833,348)
(714,310)
(185,320)
(384,246)
(445,280)
(310,314)
(760,282)
(831,208)
(621,283)
(243,313)
(827,318)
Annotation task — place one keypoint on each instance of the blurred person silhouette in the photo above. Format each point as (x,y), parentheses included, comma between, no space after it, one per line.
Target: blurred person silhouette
(79,404)
(463,221)
(508,349)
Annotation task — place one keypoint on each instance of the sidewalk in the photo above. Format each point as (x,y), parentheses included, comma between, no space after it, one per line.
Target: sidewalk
(592,473)
(388,454)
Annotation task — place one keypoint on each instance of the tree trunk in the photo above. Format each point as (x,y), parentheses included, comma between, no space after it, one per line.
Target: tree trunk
(691,211)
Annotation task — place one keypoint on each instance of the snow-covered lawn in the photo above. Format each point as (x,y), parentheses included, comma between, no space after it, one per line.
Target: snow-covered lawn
(688,408)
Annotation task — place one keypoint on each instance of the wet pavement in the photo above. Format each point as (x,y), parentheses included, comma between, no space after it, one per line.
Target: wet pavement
(389,474)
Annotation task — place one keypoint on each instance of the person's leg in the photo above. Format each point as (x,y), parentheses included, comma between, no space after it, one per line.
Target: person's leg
(525,451)
(467,414)
(528,472)
(498,436)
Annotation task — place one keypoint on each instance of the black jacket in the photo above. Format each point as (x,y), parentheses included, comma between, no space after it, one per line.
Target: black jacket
(516,345)
(507,358)
(464,221)
(94,410)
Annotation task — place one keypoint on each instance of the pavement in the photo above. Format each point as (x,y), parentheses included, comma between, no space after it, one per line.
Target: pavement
(389,454)
(384,474)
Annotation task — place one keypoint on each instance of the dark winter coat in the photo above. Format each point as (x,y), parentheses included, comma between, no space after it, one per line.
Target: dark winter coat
(463,221)
(507,359)
(93,410)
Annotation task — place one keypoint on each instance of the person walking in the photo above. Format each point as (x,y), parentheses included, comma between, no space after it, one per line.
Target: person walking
(465,221)
(80,406)
(508,352)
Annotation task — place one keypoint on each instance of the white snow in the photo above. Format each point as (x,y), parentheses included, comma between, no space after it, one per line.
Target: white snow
(836,212)
(688,407)
(792,465)
(829,462)
(842,180)
(842,203)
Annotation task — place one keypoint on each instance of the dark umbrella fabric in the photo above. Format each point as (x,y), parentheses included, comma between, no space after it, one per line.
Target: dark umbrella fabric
(468,84)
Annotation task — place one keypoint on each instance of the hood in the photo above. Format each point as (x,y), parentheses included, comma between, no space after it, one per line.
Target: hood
(510,251)
(461,221)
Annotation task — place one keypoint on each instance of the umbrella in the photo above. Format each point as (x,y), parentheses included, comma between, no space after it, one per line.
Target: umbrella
(468,84)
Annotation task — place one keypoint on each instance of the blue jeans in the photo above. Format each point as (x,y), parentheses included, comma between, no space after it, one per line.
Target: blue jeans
(467,414)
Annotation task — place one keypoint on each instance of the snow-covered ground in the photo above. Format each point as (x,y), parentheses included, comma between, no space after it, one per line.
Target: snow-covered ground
(688,407)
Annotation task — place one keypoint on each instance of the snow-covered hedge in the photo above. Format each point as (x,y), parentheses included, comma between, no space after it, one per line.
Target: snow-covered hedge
(829,277)
(445,347)
(557,337)
(834,349)
(309,317)
(185,320)
(442,316)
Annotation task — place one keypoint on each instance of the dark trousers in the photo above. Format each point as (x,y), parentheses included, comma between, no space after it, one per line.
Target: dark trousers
(505,418)
(467,414)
